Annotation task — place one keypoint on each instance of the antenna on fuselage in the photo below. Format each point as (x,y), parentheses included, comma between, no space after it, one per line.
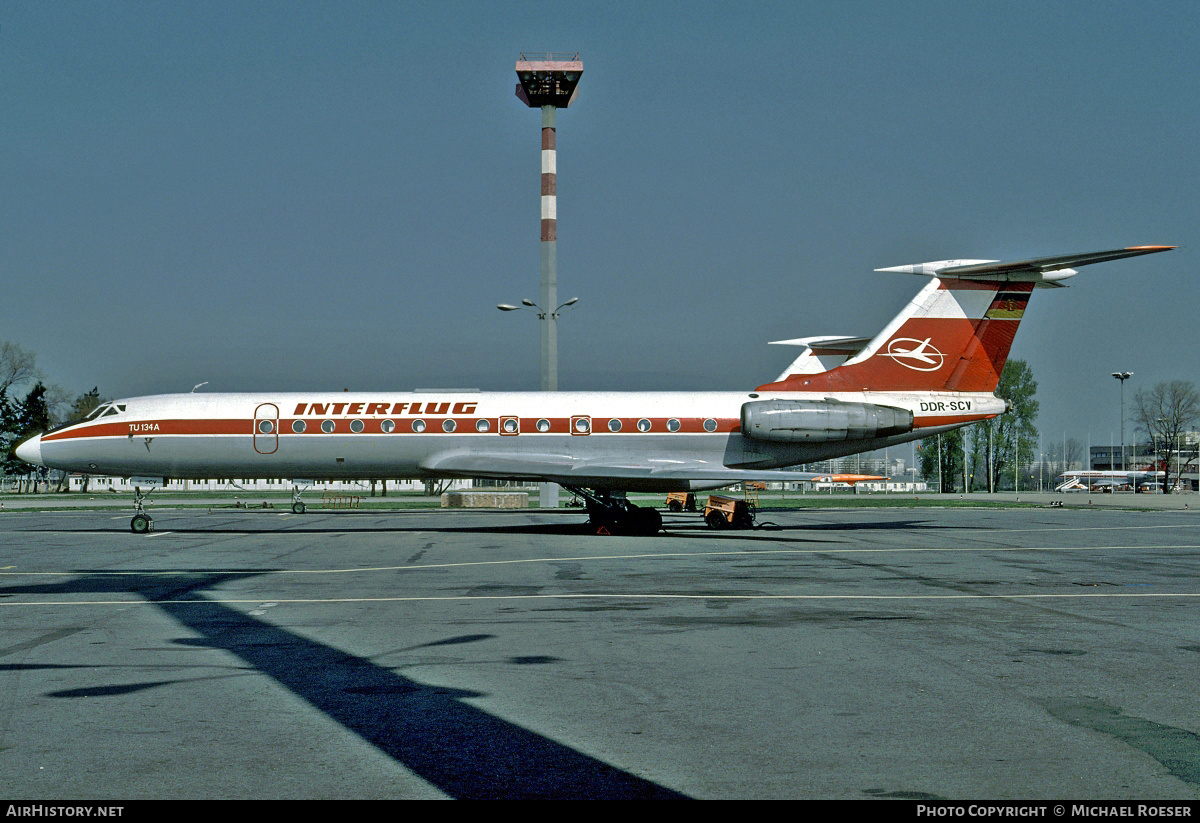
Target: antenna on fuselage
(198,385)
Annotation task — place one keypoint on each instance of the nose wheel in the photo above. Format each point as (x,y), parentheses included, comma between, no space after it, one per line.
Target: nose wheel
(141,522)
(297,503)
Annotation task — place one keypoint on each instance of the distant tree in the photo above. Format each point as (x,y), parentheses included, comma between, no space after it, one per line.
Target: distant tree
(58,404)
(975,440)
(1164,413)
(927,458)
(85,404)
(941,458)
(16,365)
(23,420)
(1011,437)
(8,427)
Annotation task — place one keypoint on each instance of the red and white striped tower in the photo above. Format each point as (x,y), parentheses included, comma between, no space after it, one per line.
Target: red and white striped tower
(549,82)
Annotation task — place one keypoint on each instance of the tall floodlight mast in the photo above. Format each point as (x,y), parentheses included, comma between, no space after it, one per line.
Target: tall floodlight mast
(549,82)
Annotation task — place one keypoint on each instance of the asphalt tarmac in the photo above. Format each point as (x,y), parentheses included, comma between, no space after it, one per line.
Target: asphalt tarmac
(855,653)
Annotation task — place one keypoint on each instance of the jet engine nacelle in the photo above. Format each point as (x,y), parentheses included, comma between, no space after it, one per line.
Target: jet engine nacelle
(821,421)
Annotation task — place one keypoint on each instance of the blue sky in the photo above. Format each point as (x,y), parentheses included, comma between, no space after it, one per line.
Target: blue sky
(304,196)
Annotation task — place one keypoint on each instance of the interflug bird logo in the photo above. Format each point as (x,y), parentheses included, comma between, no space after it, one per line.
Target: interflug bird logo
(917,355)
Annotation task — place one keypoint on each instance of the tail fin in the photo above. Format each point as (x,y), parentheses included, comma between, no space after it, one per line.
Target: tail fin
(956,333)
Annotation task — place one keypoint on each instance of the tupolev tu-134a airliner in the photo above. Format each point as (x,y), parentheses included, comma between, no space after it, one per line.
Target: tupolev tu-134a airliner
(933,368)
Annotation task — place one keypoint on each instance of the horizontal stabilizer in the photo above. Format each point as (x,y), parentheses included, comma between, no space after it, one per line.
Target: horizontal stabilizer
(821,353)
(1043,270)
(827,345)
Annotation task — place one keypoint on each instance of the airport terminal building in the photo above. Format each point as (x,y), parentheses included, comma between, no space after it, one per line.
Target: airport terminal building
(1182,460)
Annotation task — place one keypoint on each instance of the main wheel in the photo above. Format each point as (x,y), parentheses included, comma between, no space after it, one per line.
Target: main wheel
(297,508)
(140,524)
(646,521)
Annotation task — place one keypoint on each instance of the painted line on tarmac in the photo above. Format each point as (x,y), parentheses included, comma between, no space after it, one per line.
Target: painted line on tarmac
(597,557)
(257,601)
(343,533)
(1096,528)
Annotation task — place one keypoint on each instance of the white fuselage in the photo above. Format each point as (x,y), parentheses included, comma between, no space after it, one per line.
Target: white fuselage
(550,436)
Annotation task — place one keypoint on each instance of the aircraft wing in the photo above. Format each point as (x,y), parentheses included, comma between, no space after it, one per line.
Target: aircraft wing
(637,473)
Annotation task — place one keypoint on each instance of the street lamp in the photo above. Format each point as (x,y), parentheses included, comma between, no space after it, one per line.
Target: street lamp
(549,341)
(547,492)
(1122,376)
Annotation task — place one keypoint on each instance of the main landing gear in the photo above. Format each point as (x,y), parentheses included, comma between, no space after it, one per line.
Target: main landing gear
(141,522)
(612,513)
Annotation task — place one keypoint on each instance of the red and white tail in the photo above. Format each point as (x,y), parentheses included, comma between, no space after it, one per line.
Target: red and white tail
(955,335)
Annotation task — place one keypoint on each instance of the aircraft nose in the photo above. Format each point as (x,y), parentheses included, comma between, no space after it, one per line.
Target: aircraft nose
(31,450)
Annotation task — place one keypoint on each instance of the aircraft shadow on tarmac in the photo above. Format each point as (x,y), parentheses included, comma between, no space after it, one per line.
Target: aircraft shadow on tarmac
(673,526)
(462,750)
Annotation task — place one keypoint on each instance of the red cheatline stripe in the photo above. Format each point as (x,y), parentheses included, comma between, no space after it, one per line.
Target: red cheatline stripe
(947,419)
(151,428)
(433,425)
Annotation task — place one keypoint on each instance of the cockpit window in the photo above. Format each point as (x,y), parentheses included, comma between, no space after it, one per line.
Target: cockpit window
(106,410)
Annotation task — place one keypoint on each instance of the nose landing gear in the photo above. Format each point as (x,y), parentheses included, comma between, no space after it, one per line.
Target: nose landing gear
(141,522)
(297,504)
